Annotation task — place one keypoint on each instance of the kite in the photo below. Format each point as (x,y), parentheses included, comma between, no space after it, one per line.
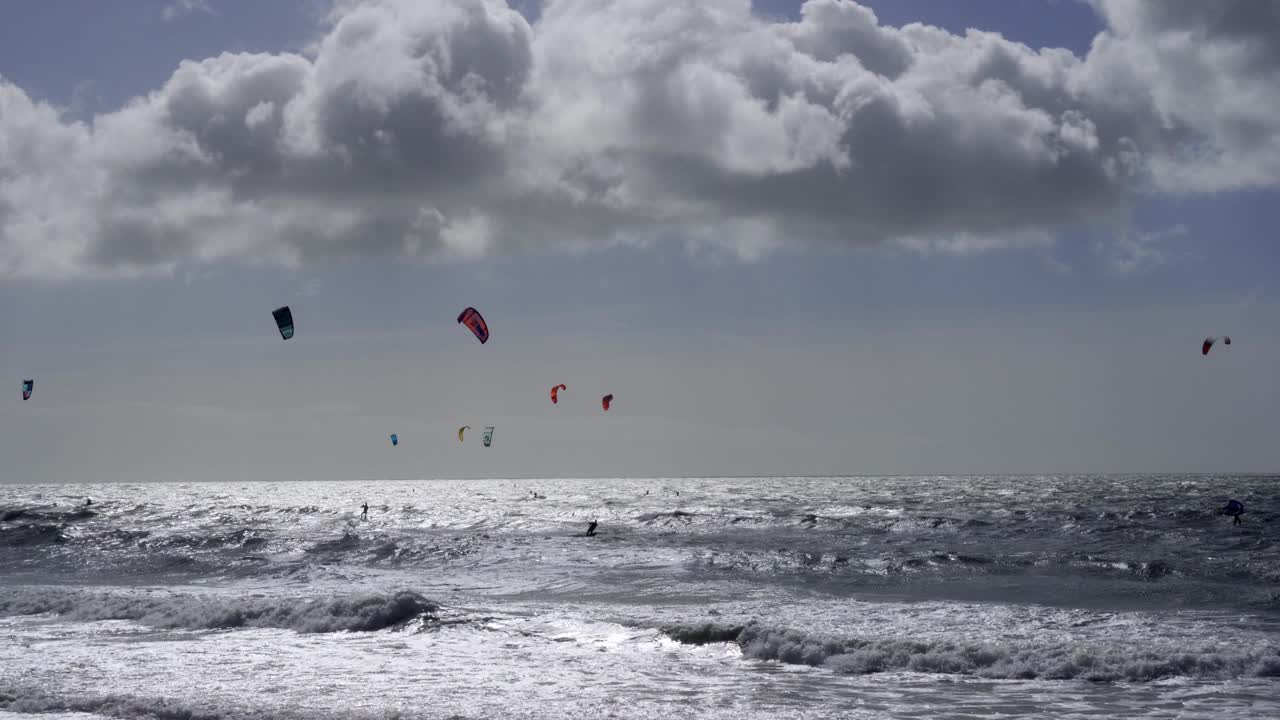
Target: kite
(461,430)
(395,440)
(27,387)
(1209,341)
(472,319)
(284,321)
(488,436)
(555,389)
(606,401)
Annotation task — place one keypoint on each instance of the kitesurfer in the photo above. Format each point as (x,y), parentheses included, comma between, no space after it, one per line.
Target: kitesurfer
(591,529)
(364,511)
(1235,509)
(88,502)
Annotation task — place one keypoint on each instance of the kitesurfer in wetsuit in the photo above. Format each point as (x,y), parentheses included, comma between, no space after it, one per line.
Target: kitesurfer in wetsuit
(1235,509)
(364,511)
(591,529)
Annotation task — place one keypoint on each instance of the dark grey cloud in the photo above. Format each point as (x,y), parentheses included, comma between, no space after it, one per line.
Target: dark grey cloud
(455,128)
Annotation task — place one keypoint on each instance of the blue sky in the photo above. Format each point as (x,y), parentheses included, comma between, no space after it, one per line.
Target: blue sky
(971,336)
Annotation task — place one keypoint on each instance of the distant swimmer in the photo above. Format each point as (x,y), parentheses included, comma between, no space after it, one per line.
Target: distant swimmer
(364,511)
(88,502)
(1235,509)
(591,529)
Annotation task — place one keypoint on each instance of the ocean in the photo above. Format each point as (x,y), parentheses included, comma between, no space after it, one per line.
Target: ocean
(1031,596)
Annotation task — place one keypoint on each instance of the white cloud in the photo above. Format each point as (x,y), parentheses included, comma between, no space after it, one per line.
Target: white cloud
(456,129)
(969,244)
(1130,251)
(182,8)
(311,287)
(1209,72)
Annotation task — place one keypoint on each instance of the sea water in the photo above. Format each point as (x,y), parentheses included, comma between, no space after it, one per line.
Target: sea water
(831,597)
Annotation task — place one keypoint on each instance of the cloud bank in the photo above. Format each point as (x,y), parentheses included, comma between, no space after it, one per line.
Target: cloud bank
(457,129)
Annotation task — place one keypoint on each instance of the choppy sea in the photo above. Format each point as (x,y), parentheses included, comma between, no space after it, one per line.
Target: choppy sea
(832,597)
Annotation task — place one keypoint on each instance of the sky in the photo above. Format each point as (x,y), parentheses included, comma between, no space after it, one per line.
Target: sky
(818,238)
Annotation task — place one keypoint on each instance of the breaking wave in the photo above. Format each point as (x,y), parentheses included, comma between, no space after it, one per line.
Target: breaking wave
(995,661)
(355,613)
(128,707)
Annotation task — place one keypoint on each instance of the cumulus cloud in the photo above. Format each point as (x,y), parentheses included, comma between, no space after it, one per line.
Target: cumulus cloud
(457,129)
(1210,72)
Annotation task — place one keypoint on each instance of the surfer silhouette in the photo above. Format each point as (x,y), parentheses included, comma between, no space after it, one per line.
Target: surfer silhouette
(591,529)
(364,511)
(1235,509)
